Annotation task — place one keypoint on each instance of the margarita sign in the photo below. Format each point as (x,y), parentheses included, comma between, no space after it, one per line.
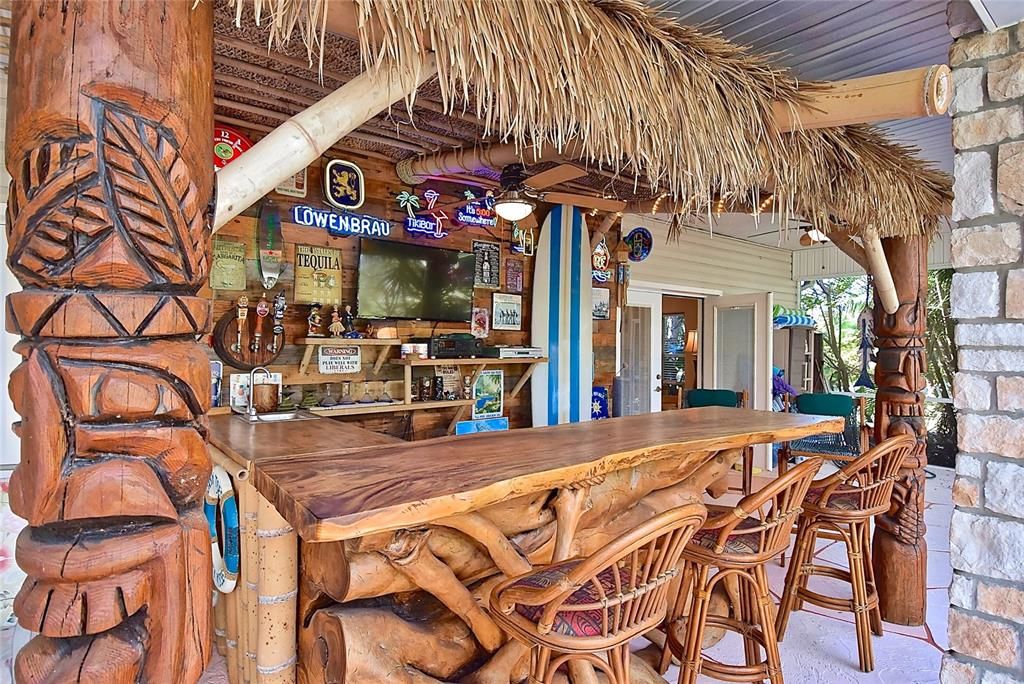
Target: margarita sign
(341,225)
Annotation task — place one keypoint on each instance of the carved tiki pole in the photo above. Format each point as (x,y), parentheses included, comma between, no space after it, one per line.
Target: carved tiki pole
(899,552)
(108,146)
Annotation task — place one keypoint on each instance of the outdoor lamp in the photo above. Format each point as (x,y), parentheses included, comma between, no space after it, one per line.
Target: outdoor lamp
(513,205)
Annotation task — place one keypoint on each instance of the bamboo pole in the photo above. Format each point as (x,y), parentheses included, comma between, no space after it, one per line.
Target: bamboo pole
(301,139)
(277,649)
(220,621)
(249,625)
(878,267)
(237,471)
(909,94)
(231,634)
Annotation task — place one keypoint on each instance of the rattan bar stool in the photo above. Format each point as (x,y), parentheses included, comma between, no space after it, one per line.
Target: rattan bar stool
(845,502)
(738,542)
(583,608)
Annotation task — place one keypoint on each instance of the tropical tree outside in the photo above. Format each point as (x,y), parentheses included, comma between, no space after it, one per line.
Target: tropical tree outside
(837,303)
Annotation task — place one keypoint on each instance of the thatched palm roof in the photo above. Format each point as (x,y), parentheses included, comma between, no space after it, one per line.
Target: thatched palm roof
(689,112)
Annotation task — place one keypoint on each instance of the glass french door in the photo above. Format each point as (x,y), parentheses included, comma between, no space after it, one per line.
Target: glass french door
(640,353)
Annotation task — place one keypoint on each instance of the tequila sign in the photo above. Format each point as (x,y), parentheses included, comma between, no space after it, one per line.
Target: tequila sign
(317,275)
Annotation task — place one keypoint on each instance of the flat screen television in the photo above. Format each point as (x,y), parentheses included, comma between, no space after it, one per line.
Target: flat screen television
(400,280)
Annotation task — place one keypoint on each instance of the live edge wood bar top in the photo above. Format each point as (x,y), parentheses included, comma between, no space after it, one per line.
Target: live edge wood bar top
(376,484)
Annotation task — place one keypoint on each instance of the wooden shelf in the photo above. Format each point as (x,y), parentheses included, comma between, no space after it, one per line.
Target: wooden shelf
(481,360)
(478,364)
(346,341)
(357,409)
(311,344)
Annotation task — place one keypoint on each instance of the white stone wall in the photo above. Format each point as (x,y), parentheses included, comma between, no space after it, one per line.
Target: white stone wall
(987,529)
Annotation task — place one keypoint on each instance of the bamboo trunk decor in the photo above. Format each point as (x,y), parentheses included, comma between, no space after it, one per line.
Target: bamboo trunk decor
(899,550)
(109,125)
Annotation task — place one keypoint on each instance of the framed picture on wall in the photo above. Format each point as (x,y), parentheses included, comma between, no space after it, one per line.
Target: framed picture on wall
(602,304)
(506,311)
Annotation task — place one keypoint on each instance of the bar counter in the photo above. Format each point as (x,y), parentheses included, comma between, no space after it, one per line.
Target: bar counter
(386,527)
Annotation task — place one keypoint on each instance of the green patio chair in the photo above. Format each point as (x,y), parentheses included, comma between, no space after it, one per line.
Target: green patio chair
(842,447)
(697,398)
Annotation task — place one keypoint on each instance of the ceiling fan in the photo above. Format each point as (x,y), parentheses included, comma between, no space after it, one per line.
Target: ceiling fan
(520,192)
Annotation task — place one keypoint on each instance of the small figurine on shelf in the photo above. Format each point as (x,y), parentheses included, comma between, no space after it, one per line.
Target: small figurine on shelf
(314,320)
(337,328)
(348,320)
(467,387)
(280,305)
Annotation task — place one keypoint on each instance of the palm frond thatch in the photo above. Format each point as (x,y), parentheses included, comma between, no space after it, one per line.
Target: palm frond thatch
(855,177)
(689,111)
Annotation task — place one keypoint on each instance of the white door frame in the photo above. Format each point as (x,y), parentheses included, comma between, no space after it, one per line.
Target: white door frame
(761,392)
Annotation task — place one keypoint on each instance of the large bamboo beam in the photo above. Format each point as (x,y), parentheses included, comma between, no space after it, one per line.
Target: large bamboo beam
(910,94)
(300,140)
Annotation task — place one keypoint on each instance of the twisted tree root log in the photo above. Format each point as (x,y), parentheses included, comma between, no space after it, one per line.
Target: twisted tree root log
(409,553)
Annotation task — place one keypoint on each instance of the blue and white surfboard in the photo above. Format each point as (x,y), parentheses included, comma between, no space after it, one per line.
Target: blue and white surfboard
(562,317)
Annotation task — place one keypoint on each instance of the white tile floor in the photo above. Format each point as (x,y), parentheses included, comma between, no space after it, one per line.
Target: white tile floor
(820,645)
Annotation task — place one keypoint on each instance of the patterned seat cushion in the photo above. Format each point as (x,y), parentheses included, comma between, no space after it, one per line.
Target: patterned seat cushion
(737,542)
(843,501)
(573,623)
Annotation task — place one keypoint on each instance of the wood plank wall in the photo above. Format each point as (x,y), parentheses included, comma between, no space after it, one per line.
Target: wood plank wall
(382,184)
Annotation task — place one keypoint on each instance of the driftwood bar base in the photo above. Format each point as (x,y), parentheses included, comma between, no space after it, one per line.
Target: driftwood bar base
(401,543)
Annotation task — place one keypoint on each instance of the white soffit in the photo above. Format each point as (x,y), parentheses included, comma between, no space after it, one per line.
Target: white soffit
(996,14)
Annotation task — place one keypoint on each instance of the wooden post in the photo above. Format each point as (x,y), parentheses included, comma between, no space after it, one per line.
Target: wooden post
(110,119)
(899,552)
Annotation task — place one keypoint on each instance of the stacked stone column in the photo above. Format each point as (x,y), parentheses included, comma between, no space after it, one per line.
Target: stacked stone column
(987,529)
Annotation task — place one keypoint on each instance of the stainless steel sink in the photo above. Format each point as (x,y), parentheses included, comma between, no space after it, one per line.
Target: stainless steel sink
(277,416)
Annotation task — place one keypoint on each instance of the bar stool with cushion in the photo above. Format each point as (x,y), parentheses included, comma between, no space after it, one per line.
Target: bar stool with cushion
(845,502)
(582,608)
(697,398)
(739,542)
(847,445)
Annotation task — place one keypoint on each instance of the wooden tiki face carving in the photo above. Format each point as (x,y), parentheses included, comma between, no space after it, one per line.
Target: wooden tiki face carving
(108,227)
